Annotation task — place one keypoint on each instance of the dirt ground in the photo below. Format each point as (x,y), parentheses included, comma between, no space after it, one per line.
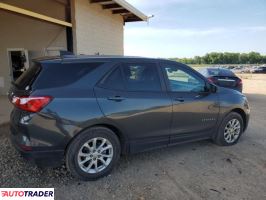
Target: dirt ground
(198,170)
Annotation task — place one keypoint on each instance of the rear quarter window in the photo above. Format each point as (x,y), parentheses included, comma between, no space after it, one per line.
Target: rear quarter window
(213,72)
(59,75)
(28,77)
(220,72)
(226,72)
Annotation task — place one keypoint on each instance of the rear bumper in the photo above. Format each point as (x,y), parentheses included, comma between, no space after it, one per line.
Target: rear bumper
(42,157)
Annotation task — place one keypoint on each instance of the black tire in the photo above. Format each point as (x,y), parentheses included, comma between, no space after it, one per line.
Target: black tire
(220,136)
(73,149)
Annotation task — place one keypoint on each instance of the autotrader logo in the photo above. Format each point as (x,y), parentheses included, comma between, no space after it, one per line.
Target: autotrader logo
(27,193)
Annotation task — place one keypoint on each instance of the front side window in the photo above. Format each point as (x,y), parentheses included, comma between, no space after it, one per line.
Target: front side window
(182,81)
(141,77)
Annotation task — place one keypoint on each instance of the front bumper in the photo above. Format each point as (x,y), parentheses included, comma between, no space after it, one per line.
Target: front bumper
(247,120)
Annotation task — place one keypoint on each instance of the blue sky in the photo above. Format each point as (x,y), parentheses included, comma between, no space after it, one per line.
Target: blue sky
(186,28)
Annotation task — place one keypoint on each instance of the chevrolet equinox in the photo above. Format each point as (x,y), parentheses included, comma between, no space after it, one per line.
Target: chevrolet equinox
(87,111)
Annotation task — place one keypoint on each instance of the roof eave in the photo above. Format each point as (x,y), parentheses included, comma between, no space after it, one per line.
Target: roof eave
(127,11)
(133,10)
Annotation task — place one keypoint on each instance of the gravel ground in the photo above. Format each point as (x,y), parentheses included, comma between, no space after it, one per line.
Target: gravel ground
(198,170)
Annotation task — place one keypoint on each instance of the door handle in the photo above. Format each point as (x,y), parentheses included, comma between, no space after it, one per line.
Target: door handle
(116,98)
(180,99)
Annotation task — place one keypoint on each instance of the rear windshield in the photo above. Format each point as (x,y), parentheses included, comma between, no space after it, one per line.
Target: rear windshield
(28,77)
(220,72)
(58,75)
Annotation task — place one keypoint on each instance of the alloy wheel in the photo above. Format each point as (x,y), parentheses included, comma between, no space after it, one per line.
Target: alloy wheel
(95,155)
(232,130)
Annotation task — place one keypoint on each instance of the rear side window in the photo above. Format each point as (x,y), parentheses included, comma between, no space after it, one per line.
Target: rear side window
(141,77)
(59,75)
(113,81)
(204,72)
(213,72)
(220,72)
(27,78)
(226,72)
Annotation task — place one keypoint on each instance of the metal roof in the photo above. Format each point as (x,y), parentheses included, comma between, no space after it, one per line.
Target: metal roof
(127,11)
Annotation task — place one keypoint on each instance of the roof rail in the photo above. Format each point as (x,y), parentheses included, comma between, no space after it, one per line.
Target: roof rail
(66,54)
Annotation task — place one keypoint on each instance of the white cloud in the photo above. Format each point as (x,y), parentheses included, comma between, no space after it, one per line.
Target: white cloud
(152,32)
(161,42)
(254,28)
(161,32)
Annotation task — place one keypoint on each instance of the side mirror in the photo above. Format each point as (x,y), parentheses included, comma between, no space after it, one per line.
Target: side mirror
(212,88)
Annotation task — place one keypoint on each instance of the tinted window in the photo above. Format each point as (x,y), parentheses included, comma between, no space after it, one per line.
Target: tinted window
(141,77)
(28,76)
(213,72)
(114,80)
(220,72)
(59,75)
(182,81)
(204,72)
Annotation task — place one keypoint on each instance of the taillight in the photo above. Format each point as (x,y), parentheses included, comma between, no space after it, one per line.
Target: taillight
(239,82)
(211,79)
(31,104)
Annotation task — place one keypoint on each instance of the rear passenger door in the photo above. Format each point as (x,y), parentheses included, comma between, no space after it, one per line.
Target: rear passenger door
(132,96)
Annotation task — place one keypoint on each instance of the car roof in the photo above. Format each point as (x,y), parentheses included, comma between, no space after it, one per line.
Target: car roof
(91,58)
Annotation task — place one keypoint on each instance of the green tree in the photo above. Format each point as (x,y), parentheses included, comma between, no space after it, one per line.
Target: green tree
(197,60)
(254,58)
(225,58)
(243,58)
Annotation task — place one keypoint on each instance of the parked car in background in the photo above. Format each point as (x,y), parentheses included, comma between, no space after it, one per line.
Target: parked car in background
(231,67)
(222,77)
(253,69)
(245,70)
(87,111)
(237,69)
(259,70)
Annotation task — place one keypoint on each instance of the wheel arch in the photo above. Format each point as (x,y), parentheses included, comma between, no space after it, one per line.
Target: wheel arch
(242,113)
(122,138)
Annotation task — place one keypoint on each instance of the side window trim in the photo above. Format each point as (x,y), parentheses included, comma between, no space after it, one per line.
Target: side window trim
(179,67)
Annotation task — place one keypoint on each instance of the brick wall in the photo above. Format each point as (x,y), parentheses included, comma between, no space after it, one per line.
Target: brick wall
(96,30)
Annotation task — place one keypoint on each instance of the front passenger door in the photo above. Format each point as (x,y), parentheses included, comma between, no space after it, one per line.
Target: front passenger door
(195,110)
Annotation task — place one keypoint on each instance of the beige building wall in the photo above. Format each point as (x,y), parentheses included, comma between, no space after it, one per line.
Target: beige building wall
(18,31)
(96,30)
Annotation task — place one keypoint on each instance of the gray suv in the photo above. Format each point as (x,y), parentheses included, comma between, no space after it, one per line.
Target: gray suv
(87,111)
